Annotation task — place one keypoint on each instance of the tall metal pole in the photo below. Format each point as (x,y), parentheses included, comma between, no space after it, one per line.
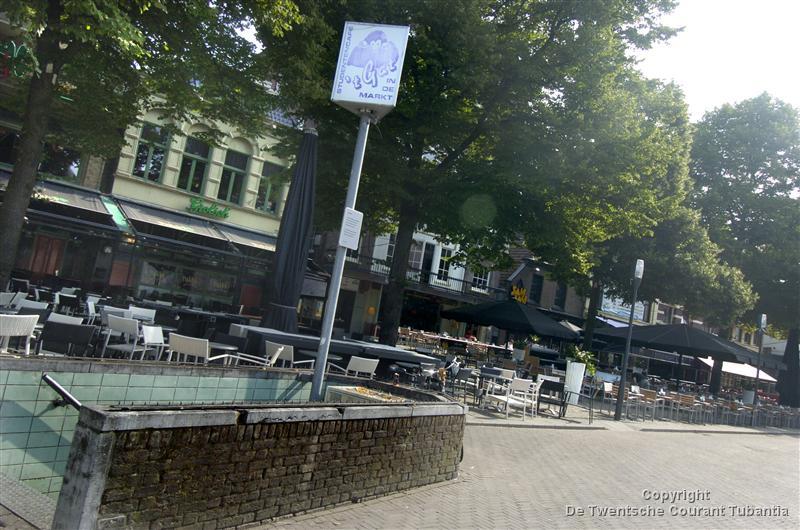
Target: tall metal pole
(761,327)
(338,266)
(637,279)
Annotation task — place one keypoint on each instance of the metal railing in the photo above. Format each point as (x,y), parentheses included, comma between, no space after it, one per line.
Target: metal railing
(424,278)
(66,397)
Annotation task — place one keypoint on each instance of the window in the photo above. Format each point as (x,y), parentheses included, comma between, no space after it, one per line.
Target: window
(561,295)
(151,153)
(444,264)
(60,162)
(268,190)
(233,174)
(480,280)
(415,255)
(390,248)
(537,283)
(8,146)
(193,166)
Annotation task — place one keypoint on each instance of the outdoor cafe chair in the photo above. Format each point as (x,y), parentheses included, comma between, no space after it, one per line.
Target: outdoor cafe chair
(463,379)
(68,303)
(153,340)
(16,301)
(357,365)
(41,313)
(128,329)
(286,355)
(19,284)
(107,310)
(65,319)
(520,393)
(33,304)
(200,350)
(17,326)
(142,314)
(5,299)
(61,338)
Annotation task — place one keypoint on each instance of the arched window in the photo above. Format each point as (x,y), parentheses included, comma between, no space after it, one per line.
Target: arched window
(233,176)
(268,188)
(151,152)
(193,165)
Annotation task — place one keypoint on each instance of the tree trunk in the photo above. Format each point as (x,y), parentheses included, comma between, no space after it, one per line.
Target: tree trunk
(789,380)
(392,299)
(715,385)
(29,152)
(591,314)
(716,378)
(110,169)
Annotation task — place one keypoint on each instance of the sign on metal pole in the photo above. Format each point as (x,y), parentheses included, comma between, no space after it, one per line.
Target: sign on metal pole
(369,67)
(367,82)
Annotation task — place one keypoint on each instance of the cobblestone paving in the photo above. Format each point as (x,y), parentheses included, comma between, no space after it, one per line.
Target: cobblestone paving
(529,477)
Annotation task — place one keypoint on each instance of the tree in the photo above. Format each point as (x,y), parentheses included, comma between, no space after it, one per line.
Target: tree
(98,65)
(471,74)
(746,167)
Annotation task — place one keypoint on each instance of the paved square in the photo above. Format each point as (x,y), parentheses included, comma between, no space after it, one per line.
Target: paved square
(516,476)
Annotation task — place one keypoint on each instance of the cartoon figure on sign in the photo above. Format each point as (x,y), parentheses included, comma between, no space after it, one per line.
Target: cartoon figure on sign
(376,55)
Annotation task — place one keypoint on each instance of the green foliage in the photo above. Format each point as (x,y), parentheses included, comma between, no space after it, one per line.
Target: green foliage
(579,355)
(119,59)
(746,167)
(485,88)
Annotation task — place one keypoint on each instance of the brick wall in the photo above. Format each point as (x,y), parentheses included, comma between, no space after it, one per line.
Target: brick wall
(246,466)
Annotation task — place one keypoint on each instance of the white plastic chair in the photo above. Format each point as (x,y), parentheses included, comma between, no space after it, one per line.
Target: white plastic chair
(91,312)
(153,339)
(519,393)
(358,365)
(16,302)
(33,304)
(143,314)
(129,329)
(17,326)
(286,355)
(5,299)
(64,319)
(200,349)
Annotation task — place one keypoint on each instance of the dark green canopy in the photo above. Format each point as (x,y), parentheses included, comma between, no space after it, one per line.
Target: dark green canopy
(511,316)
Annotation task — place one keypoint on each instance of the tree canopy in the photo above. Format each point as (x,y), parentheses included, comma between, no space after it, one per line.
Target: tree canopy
(746,167)
(99,65)
(476,80)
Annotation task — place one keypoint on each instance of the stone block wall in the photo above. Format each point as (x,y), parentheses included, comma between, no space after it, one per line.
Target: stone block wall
(227,467)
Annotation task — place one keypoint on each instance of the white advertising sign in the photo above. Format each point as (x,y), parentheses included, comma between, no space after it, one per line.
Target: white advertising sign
(351,229)
(369,67)
(620,308)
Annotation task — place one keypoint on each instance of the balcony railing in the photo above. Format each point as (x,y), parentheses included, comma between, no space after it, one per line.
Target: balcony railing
(427,279)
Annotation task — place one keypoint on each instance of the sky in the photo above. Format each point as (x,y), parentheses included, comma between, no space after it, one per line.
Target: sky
(730,50)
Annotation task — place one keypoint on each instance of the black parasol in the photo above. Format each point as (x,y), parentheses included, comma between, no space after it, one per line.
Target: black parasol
(294,238)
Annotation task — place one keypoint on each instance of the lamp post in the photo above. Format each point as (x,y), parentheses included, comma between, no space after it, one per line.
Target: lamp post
(638,272)
(762,327)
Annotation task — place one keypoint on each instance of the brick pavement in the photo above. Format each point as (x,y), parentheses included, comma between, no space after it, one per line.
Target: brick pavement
(527,477)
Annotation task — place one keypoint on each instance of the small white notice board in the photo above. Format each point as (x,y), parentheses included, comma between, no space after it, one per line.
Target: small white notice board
(351,229)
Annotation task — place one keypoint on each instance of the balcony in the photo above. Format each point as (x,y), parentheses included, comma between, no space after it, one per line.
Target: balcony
(366,267)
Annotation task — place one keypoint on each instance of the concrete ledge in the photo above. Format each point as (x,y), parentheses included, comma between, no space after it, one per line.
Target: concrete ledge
(284,415)
(93,365)
(438,409)
(104,421)
(372,412)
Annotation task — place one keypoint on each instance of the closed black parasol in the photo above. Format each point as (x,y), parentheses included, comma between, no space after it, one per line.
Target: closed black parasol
(512,316)
(294,238)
